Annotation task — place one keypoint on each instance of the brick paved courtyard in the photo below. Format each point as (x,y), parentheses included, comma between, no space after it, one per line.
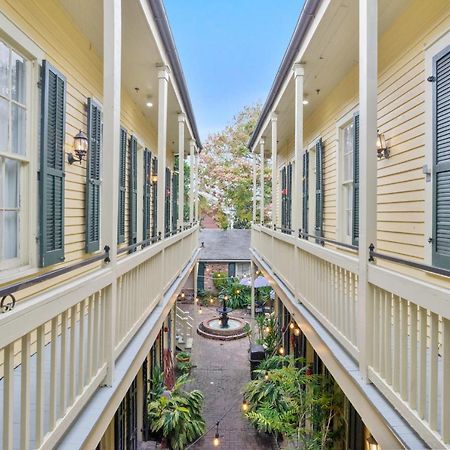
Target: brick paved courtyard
(222,370)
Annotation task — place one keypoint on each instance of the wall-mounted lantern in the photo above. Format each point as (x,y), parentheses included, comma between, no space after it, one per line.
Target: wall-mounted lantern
(154,177)
(382,148)
(80,147)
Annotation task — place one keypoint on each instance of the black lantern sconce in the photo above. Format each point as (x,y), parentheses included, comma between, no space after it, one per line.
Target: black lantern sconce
(80,147)
(382,148)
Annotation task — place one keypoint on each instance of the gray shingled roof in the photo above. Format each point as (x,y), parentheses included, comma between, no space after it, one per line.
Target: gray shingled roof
(225,245)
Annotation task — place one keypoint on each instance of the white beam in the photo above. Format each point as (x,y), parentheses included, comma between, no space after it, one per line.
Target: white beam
(254,185)
(274,121)
(181,125)
(261,181)
(197,184)
(191,180)
(368,72)
(297,193)
(112,61)
(163,82)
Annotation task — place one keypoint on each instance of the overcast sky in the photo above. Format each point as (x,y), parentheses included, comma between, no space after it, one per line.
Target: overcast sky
(230,51)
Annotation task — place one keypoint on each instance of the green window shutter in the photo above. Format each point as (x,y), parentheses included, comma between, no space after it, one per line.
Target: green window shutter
(154,198)
(122,188)
(305,192)
(355,207)
(132,183)
(232,269)
(201,276)
(175,178)
(289,197)
(51,176)
(93,181)
(283,197)
(441,160)
(167,202)
(147,194)
(319,190)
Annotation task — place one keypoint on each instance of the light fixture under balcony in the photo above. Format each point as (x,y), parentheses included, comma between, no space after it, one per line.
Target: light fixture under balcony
(382,148)
(149,102)
(80,147)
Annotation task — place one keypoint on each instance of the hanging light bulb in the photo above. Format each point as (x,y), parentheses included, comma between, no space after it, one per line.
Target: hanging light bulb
(297,331)
(291,325)
(216,441)
(266,376)
(244,405)
(281,350)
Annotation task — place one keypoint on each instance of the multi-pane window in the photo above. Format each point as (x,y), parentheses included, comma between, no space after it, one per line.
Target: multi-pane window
(13,153)
(347,180)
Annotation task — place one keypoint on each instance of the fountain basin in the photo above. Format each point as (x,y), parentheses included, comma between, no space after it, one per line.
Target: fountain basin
(212,329)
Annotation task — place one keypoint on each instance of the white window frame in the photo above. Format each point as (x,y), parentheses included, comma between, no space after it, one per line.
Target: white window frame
(343,122)
(431,50)
(26,263)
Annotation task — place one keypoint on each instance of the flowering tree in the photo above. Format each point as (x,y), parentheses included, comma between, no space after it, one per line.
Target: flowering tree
(226,172)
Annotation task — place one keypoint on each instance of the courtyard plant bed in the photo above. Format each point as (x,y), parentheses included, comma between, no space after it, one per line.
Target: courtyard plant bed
(175,415)
(294,405)
(183,357)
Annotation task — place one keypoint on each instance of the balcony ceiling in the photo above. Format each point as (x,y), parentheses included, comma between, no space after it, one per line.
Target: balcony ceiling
(328,57)
(141,57)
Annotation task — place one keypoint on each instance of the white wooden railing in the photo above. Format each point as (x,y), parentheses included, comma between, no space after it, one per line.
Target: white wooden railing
(409,358)
(184,326)
(56,347)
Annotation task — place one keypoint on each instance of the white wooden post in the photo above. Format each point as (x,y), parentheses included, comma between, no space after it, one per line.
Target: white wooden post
(297,193)
(368,55)
(163,83)
(195,281)
(252,275)
(274,121)
(112,61)
(254,185)
(261,181)
(181,126)
(191,180)
(197,160)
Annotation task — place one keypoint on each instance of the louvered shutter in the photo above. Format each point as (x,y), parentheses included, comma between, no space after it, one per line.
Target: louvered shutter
(132,183)
(283,197)
(154,198)
(122,188)
(147,194)
(175,189)
(355,207)
(289,198)
(51,176)
(319,190)
(201,276)
(167,202)
(305,192)
(231,269)
(441,160)
(93,172)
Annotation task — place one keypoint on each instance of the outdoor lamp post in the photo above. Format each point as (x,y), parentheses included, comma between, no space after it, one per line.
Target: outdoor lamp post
(80,147)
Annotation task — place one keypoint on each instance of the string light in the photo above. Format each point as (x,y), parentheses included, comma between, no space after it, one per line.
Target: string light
(200,310)
(182,295)
(297,331)
(281,350)
(244,405)
(267,329)
(211,300)
(238,291)
(216,441)
(266,376)
(291,325)
(196,299)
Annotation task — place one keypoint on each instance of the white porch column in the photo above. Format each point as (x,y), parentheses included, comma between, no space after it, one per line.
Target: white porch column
(368,72)
(297,194)
(181,126)
(252,276)
(163,83)
(274,121)
(112,46)
(191,180)
(261,181)
(197,184)
(195,280)
(254,185)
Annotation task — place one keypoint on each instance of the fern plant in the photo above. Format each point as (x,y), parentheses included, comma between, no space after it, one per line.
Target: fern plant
(177,416)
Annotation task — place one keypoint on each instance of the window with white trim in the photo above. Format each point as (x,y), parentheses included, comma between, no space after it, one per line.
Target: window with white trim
(14,155)
(346,179)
